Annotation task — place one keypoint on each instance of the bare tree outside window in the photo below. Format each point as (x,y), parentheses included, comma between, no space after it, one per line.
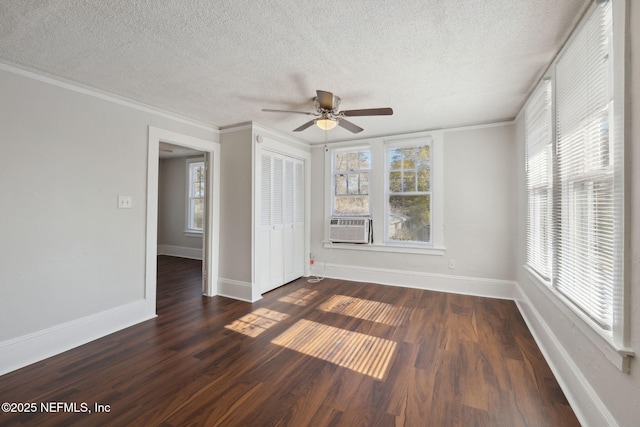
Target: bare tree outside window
(409,193)
(196,196)
(351,183)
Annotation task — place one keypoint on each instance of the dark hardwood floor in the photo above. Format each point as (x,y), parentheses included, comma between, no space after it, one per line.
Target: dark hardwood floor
(335,353)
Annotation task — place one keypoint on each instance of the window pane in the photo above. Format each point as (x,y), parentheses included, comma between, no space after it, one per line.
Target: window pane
(364,183)
(353,161)
(198,214)
(198,189)
(424,180)
(409,181)
(409,157)
(341,184)
(395,182)
(200,173)
(409,218)
(423,157)
(352,182)
(196,175)
(352,205)
(395,159)
(365,160)
(341,162)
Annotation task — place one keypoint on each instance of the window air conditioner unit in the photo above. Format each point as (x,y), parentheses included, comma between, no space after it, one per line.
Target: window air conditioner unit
(349,230)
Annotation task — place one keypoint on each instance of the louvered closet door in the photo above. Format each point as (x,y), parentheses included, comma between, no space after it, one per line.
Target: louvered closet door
(288,258)
(263,231)
(276,244)
(280,235)
(298,219)
(293,220)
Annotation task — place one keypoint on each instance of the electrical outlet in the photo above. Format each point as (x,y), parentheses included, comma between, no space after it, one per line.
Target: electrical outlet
(452,264)
(124,202)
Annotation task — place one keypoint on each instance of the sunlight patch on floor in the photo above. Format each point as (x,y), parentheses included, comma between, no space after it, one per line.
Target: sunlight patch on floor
(352,350)
(367,310)
(302,296)
(256,322)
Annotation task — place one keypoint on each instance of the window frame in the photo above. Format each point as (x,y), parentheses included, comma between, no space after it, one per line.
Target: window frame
(335,173)
(409,143)
(192,164)
(376,193)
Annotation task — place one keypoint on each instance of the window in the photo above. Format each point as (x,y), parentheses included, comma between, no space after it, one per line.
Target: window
(539,138)
(351,171)
(586,217)
(408,197)
(575,213)
(196,194)
(395,180)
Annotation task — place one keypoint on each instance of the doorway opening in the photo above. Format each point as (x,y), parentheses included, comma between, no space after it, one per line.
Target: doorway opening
(181,210)
(205,205)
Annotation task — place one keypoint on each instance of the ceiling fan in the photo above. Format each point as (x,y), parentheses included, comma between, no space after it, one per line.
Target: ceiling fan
(329,116)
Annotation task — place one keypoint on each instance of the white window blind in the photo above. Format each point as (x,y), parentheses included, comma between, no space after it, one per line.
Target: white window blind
(585,215)
(539,140)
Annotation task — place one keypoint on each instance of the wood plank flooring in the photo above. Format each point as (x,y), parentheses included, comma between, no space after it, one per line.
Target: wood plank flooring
(439,360)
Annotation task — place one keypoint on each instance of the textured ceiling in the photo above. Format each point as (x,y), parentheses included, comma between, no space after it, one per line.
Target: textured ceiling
(437,63)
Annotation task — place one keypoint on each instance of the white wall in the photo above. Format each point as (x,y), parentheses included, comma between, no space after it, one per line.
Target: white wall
(479,222)
(599,392)
(67,252)
(172,210)
(236,205)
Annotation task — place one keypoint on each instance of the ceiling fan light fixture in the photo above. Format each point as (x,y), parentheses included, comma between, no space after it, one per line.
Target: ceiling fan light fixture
(328,113)
(326,123)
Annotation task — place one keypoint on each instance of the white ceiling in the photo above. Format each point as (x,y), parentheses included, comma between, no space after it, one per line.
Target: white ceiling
(437,63)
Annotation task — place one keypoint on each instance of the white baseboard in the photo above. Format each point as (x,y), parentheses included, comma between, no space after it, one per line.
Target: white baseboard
(491,288)
(235,289)
(180,251)
(584,401)
(19,352)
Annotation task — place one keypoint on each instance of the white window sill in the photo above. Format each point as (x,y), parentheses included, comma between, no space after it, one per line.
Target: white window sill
(193,233)
(403,249)
(616,354)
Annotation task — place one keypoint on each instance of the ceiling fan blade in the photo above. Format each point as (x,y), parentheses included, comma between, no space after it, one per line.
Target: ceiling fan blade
(305,126)
(268,110)
(325,99)
(368,112)
(349,126)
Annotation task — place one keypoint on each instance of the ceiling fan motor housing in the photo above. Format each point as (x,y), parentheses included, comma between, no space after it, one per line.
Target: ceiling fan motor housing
(335,105)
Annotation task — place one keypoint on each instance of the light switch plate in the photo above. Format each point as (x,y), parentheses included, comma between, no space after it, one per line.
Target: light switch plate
(124,202)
